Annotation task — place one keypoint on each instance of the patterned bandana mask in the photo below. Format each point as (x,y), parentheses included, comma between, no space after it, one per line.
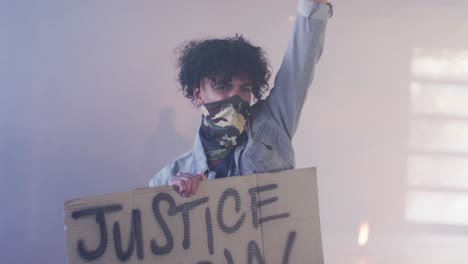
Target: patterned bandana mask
(223,124)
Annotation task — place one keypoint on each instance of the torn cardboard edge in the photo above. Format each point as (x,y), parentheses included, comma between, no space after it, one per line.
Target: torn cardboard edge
(261,218)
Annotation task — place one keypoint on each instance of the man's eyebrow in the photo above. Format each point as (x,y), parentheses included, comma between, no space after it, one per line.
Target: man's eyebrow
(223,82)
(215,82)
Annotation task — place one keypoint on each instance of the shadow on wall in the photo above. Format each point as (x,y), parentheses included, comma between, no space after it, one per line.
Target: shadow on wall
(164,145)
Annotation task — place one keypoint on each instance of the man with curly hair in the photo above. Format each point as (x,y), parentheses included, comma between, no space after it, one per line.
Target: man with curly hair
(240,132)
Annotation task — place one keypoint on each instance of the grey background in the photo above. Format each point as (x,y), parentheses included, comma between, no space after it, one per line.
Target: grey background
(89,104)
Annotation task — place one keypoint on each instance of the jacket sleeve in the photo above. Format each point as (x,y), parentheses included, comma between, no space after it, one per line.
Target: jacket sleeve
(295,75)
(180,164)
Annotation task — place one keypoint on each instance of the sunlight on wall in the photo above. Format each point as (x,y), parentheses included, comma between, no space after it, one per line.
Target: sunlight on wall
(437,207)
(440,64)
(438,138)
(439,135)
(438,171)
(439,99)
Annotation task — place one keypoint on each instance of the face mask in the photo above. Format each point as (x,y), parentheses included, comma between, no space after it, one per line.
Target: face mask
(223,122)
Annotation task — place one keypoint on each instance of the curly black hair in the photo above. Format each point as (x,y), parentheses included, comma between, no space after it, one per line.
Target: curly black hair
(221,59)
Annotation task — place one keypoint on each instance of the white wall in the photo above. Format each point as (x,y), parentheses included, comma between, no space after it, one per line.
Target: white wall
(89,104)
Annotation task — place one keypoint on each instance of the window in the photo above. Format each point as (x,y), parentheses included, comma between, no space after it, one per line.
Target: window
(438,138)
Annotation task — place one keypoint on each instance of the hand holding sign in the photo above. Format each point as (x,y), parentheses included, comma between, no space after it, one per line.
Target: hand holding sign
(186,184)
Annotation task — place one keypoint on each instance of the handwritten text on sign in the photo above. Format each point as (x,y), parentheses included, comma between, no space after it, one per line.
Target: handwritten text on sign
(267,218)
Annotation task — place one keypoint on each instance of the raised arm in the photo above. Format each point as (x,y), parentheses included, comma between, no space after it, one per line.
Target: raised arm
(295,75)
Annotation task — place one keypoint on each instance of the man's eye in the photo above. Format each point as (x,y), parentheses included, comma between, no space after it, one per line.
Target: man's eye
(247,89)
(222,87)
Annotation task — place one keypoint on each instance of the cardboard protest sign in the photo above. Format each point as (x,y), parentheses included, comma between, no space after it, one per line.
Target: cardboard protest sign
(262,218)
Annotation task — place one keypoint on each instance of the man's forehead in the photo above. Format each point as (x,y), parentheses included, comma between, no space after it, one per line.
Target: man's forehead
(230,79)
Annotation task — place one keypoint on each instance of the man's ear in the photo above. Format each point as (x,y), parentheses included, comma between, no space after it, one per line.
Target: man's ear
(197,99)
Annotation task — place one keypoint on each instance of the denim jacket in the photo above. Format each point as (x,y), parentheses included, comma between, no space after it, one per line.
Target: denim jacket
(274,120)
